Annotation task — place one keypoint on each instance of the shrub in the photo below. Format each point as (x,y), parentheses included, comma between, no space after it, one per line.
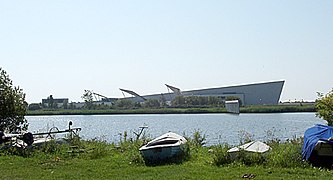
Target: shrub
(324,106)
(220,155)
(18,151)
(13,106)
(199,139)
(286,154)
(94,149)
(250,158)
(99,151)
(130,149)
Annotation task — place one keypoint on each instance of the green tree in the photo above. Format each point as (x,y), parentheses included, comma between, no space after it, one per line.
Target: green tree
(192,101)
(214,101)
(88,99)
(13,106)
(35,106)
(125,104)
(50,102)
(152,103)
(178,101)
(324,107)
(163,101)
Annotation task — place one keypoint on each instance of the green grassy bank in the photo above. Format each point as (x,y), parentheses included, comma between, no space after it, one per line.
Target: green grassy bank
(247,109)
(98,160)
(278,109)
(108,168)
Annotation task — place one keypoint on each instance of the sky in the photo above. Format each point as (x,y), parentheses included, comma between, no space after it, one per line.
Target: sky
(63,47)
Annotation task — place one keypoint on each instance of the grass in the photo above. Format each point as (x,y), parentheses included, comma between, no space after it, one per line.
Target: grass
(126,111)
(109,168)
(247,109)
(277,109)
(99,160)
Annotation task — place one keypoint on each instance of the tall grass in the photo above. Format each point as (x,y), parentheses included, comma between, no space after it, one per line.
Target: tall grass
(93,149)
(282,154)
(220,155)
(198,139)
(130,150)
(287,154)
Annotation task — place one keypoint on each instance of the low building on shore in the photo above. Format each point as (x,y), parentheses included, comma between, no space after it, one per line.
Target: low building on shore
(265,93)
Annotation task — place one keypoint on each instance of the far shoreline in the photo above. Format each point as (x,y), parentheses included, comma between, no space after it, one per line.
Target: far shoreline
(192,110)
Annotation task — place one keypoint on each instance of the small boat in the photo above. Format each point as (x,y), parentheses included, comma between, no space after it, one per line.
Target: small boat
(163,148)
(41,141)
(318,145)
(254,146)
(248,148)
(26,139)
(324,148)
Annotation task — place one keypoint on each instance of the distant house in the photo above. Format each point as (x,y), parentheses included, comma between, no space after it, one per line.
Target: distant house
(50,102)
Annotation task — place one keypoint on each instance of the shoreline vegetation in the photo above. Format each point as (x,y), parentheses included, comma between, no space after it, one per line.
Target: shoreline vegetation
(96,159)
(192,110)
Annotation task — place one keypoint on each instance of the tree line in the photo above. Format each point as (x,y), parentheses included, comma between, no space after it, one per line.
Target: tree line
(177,102)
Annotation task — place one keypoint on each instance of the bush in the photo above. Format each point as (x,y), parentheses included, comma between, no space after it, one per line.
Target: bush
(13,106)
(17,151)
(286,154)
(324,106)
(220,155)
(99,151)
(250,158)
(151,103)
(34,106)
(198,140)
(130,150)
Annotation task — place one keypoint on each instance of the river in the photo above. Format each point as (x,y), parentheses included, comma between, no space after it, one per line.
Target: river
(218,128)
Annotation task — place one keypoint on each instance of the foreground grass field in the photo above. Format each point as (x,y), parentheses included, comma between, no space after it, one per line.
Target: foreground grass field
(111,168)
(98,160)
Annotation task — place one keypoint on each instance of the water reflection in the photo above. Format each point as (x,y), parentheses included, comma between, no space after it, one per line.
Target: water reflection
(219,128)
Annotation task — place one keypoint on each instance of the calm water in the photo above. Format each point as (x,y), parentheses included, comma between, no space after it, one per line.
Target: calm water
(219,128)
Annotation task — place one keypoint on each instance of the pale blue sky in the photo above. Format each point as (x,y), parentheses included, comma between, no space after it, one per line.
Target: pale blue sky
(63,47)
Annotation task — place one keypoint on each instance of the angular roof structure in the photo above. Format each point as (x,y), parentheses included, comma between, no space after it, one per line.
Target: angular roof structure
(265,93)
(132,93)
(174,89)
